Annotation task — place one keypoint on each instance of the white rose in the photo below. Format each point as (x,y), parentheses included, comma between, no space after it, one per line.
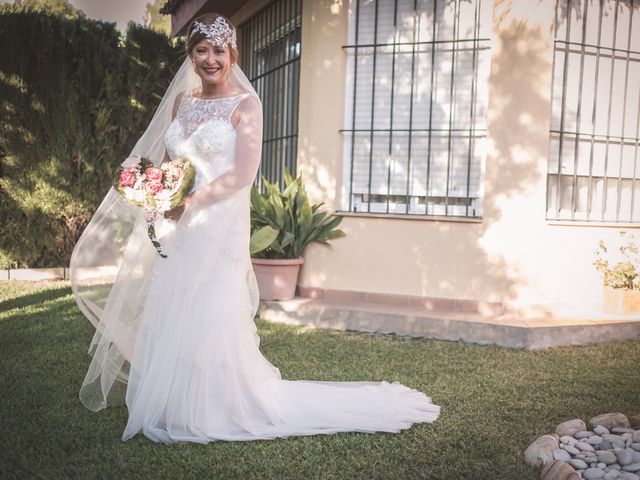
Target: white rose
(139,195)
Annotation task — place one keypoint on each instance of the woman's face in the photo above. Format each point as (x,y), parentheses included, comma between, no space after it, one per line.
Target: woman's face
(211,62)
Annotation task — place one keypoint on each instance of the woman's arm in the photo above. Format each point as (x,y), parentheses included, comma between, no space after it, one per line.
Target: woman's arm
(176,105)
(248,154)
(174,213)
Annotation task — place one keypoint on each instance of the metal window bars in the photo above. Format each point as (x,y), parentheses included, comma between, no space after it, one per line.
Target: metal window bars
(593,156)
(270,44)
(418,73)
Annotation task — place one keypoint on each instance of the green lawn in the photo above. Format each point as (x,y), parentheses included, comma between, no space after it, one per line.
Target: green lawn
(494,401)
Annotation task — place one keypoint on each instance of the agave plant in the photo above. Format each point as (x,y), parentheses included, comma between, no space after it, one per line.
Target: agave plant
(283,223)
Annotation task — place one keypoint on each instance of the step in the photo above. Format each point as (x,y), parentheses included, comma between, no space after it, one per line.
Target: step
(507,330)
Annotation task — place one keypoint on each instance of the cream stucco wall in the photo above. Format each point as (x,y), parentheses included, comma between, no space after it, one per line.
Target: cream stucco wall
(513,255)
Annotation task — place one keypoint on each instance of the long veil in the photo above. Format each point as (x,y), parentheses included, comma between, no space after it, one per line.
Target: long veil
(112,260)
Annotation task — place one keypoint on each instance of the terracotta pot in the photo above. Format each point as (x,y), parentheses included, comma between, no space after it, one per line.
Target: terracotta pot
(618,301)
(277,278)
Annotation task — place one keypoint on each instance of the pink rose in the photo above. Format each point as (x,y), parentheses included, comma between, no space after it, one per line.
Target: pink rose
(153,174)
(154,187)
(127,178)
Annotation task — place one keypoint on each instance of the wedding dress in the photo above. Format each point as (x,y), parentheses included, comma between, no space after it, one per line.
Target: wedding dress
(197,373)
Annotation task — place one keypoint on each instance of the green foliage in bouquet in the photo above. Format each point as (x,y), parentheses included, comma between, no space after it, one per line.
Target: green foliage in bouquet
(283,223)
(187,181)
(625,273)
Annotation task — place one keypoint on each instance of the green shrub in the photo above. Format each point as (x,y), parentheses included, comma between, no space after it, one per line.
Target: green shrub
(76,96)
(283,223)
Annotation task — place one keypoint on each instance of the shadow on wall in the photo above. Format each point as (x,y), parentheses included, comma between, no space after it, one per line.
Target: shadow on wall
(520,76)
(518,130)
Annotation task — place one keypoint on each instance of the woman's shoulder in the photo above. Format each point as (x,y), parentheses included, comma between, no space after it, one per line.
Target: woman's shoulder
(177,102)
(250,102)
(249,107)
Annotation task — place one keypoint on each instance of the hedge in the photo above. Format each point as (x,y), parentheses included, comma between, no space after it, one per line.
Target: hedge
(75,96)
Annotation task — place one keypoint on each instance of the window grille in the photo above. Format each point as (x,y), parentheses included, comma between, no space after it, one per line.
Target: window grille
(270,44)
(416,106)
(593,167)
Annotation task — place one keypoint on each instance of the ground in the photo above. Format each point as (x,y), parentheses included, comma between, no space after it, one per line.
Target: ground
(495,401)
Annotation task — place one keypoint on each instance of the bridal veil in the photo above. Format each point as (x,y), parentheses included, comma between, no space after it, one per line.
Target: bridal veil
(112,260)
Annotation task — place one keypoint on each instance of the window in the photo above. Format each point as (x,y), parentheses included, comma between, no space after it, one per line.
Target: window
(416,106)
(270,57)
(594,165)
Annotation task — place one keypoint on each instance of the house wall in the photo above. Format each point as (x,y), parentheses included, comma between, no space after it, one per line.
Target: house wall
(512,255)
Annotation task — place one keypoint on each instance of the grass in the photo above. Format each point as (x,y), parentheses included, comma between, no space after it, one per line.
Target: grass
(494,401)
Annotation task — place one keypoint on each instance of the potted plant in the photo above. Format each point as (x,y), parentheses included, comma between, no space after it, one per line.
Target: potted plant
(622,279)
(283,223)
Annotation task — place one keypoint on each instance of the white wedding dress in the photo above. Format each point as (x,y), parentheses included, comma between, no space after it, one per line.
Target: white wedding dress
(197,373)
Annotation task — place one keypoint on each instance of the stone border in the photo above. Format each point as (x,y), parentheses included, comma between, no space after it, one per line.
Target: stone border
(609,450)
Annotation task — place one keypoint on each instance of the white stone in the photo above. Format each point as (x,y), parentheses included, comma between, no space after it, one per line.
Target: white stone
(624,457)
(560,454)
(540,452)
(615,440)
(570,427)
(593,474)
(628,476)
(577,463)
(594,440)
(568,440)
(585,447)
(632,467)
(610,420)
(606,457)
(570,449)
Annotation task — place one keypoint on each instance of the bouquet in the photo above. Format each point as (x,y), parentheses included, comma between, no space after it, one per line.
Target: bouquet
(154,188)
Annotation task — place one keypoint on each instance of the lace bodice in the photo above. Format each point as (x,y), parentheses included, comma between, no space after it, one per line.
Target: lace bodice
(202,132)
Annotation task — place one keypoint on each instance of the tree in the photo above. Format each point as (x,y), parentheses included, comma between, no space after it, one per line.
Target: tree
(155,20)
(55,7)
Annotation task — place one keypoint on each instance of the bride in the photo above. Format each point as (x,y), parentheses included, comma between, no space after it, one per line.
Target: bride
(175,337)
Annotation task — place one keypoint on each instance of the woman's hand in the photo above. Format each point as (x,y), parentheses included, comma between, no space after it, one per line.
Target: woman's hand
(175,213)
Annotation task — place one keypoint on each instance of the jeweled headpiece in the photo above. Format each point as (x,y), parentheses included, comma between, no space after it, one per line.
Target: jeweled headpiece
(217,33)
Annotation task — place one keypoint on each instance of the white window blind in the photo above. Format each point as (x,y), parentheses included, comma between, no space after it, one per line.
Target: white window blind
(594,159)
(415,114)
